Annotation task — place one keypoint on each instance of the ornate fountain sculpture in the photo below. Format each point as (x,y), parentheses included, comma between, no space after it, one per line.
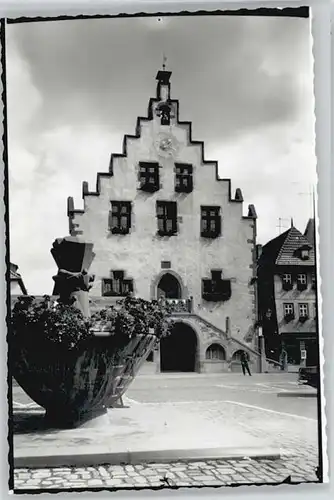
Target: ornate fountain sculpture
(73,372)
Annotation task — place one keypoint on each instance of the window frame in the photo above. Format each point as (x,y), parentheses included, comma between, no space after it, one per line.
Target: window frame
(119,228)
(183,178)
(144,175)
(216,289)
(301,281)
(209,353)
(287,284)
(303,316)
(118,286)
(168,215)
(288,315)
(208,218)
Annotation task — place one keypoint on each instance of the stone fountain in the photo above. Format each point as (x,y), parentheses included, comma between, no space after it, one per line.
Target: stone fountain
(76,385)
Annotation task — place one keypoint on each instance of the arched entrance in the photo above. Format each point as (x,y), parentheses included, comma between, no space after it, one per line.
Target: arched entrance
(169,287)
(178,351)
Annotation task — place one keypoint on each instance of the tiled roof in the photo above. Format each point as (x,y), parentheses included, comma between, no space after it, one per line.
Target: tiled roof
(294,239)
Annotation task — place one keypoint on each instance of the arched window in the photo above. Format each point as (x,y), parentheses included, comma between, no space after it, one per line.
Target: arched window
(215,352)
(237,355)
(169,287)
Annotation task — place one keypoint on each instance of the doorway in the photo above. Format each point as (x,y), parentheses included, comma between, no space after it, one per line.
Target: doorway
(178,351)
(169,287)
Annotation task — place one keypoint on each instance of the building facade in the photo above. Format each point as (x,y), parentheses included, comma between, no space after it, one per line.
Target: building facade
(165,226)
(288,297)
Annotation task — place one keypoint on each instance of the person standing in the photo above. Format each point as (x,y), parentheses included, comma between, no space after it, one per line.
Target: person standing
(244,363)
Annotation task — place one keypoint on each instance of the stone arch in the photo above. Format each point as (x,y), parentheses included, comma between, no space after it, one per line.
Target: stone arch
(179,351)
(155,282)
(236,354)
(215,352)
(235,363)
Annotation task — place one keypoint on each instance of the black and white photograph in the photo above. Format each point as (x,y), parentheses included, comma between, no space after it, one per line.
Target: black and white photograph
(162,251)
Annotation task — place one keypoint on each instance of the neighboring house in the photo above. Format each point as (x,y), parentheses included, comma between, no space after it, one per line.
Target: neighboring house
(16,283)
(165,226)
(287,296)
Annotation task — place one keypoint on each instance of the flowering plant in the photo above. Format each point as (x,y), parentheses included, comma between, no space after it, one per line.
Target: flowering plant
(65,325)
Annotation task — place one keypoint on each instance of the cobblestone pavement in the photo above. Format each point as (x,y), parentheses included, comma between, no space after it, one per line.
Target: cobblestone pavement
(296,435)
(178,474)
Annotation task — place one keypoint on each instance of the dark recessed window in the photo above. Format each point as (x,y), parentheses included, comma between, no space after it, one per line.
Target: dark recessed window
(183,178)
(215,352)
(210,222)
(116,285)
(167,218)
(120,217)
(216,289)
(289,311)
(301,282)
(166,264)
(149,177)
(303,312)
(287,282)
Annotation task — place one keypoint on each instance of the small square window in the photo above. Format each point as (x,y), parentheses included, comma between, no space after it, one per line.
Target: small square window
(303,312)
(183,178)
(149,177)
(289,311)
(210,222)
(120,217)
(167,218)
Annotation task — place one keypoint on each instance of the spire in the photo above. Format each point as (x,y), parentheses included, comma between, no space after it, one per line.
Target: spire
(291,222)
(163,77)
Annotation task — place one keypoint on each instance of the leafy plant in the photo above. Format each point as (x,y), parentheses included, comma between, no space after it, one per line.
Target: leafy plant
(66,327)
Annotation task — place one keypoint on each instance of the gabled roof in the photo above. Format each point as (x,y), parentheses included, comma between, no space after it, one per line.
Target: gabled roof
(287,254)
(281,250)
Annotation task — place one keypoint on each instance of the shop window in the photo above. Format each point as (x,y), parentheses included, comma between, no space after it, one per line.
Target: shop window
(120,217)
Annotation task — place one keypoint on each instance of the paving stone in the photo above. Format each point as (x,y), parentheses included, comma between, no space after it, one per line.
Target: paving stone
(140,480)
(95,482)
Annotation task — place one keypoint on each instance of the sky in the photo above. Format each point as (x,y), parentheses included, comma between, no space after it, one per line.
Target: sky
(75,87)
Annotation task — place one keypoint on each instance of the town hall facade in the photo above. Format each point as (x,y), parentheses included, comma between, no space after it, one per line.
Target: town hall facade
(165,226)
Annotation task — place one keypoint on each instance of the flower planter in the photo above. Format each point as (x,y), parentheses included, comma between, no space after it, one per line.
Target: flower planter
(75,386)
(71,363)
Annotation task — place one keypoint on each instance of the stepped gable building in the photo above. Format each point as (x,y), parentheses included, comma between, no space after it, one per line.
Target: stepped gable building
(165,226)
(287,296)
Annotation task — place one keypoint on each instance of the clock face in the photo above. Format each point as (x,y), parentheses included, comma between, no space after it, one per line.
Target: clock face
(167,145)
